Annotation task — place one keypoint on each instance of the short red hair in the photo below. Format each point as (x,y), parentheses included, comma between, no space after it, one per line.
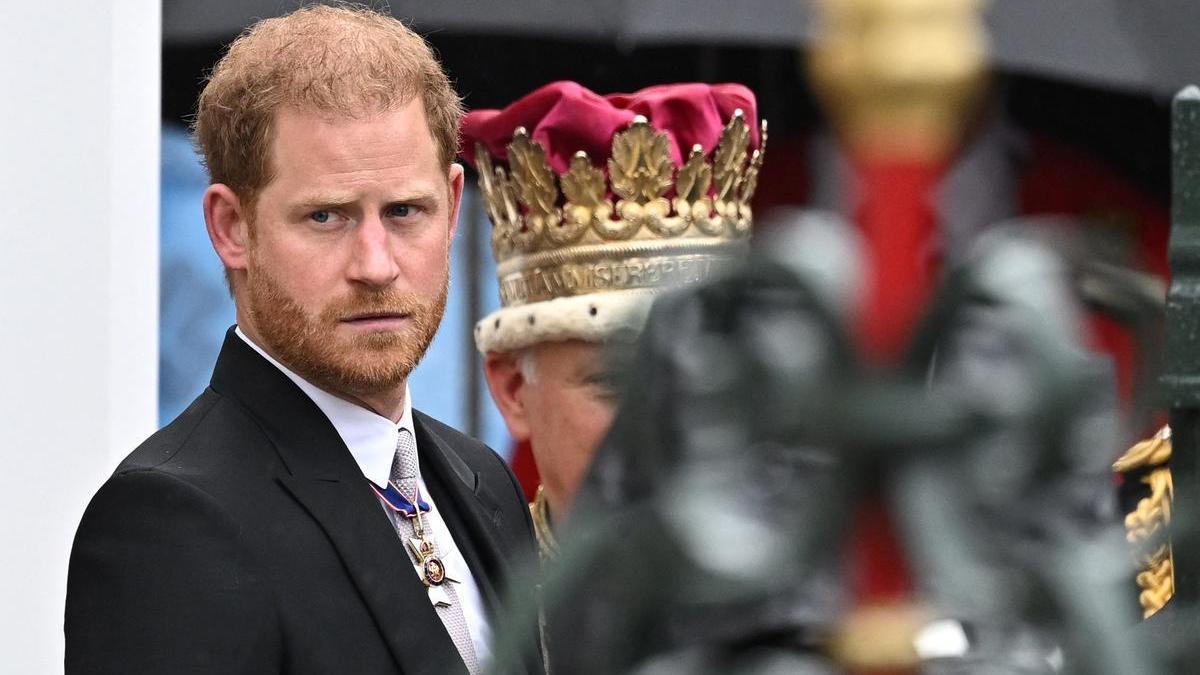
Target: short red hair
(347,61)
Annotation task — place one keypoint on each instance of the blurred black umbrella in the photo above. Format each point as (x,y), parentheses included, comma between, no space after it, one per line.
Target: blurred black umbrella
(1133,45)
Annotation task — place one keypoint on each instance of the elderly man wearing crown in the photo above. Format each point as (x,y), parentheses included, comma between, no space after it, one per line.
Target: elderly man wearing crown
(597,204)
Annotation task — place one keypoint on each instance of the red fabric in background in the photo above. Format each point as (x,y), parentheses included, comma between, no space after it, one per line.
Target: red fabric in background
(566,117)
(525,469)
(1061,179)
(784,180)
(897,216)
(898,219)
(878,571)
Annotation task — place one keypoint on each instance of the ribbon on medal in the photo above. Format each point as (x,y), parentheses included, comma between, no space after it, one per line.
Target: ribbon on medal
(397,502)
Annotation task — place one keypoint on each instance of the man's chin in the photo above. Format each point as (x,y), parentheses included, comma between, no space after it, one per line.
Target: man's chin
(362,379)
(370,364)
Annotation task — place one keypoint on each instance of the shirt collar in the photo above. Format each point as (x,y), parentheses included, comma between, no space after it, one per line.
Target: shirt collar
(370,437)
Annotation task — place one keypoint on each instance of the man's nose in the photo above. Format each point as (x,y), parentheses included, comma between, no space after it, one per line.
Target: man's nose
(373,262)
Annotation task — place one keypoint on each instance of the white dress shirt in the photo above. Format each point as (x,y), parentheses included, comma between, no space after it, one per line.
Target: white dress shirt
(371,440)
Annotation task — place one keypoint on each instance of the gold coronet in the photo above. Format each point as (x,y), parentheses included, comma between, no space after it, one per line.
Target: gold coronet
(1145,527)
(582,232)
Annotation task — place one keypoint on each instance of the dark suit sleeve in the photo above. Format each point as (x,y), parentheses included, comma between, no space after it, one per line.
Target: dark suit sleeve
(521,589)
(158,583)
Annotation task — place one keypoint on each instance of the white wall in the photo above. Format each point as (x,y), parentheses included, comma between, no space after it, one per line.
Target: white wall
(79,129)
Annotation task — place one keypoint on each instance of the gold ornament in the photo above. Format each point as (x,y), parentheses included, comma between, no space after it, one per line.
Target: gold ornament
(644,240)
(547,542)
(900,78)
(1146,526)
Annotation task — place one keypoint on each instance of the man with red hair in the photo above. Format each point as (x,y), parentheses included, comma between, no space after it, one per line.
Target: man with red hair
(301,515)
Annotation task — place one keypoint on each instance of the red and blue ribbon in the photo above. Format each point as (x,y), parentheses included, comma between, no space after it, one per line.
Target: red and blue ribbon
(397,502)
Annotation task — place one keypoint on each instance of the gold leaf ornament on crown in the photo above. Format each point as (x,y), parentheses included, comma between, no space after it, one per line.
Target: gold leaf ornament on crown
(1146,526)
(544,250)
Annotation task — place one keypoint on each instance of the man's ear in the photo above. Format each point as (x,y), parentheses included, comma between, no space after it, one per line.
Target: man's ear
(507,384)
(228,228)
(455,180)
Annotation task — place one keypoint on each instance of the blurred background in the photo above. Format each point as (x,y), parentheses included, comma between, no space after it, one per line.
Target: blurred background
(113,303)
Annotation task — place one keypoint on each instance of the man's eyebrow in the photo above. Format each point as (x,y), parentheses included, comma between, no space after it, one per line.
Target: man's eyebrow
(414,195)
(593,374)
(323,200)
(423,195)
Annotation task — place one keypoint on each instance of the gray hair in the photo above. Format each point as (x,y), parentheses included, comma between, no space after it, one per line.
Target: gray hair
(527,362)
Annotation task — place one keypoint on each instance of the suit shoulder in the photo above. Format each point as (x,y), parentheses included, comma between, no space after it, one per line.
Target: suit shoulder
(192,439)
(472,448)
(157,493)
(143,514)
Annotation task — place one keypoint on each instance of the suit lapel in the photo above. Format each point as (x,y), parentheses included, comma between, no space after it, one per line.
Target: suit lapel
(470,509)
(380,568)
(323,477)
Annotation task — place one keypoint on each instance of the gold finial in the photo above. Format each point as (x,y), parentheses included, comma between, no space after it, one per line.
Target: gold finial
(900,78)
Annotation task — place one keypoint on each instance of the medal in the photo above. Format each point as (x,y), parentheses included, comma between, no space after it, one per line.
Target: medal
(430,567)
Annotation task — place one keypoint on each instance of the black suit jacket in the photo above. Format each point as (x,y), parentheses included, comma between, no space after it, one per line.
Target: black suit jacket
(243,538)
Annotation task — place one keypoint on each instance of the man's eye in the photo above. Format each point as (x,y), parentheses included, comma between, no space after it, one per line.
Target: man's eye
(321,216)
(603,385)
(400,210)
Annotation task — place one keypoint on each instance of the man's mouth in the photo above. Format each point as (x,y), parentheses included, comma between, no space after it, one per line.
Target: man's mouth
(375,320)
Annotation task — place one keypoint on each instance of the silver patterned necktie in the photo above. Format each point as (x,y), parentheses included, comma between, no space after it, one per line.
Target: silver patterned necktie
(404,477)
